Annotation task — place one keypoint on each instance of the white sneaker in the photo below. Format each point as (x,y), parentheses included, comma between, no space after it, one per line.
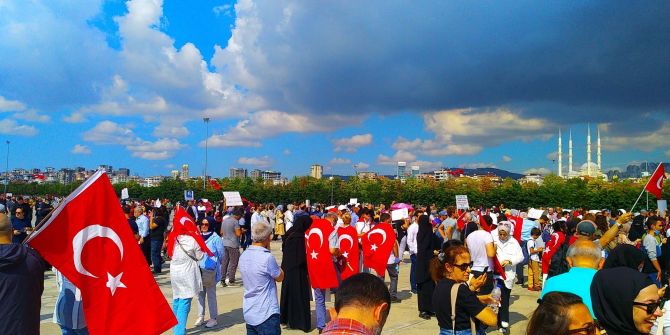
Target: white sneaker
(227,282)
(211,323)
(199,321)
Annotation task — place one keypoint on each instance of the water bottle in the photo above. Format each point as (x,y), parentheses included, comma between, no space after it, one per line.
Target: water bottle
(496,294)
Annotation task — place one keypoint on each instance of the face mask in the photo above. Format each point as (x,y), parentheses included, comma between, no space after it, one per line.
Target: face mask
(657,232)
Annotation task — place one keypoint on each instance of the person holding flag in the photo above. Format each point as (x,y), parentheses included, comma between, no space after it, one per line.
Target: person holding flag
(321,262)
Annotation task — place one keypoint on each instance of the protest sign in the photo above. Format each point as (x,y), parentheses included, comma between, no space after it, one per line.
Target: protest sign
(399,214)
(462,202)
(233,198)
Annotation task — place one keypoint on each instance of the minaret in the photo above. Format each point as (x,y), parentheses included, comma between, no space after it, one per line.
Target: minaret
(560,155)
(570,155)
(588,150)
(600,167)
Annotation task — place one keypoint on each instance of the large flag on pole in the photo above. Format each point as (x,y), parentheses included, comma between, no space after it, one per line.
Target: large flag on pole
(88,240)
(655,183)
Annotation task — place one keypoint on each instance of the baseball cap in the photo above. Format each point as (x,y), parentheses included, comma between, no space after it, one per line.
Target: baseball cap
(342,208)
(443,213)
(586,228)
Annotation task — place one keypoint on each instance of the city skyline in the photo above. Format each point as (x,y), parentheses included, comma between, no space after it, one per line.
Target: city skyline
(287,84)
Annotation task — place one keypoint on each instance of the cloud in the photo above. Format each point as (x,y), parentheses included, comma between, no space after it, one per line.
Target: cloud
(399,156)
(649,140)
(506,158)
(352,144)
(267,124)
(11,127)
(477,165)
(74,118)
(540,171)
(286,152)
(10,105)
(111,133)
(223,10)
(80,150)
(339,161)
(426,166)
(260,162)
(552,155)
(362,166)
(32,115)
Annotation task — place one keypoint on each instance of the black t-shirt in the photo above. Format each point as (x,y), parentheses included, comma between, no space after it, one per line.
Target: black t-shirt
(467,305)
(157,233)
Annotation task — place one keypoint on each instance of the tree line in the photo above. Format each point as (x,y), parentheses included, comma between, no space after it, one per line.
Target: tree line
(555,191)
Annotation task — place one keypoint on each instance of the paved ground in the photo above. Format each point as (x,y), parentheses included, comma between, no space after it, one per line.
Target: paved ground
(403,318)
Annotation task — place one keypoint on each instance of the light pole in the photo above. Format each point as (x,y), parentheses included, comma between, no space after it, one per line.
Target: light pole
(331,190)
(7,169)
(204,179)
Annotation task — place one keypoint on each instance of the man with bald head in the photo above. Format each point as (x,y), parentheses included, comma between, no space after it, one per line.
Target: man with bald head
(584,258)
(21,284)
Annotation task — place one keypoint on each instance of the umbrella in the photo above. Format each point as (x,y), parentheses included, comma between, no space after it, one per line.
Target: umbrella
(401,205)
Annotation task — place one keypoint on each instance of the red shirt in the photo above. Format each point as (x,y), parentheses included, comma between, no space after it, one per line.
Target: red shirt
(346,327)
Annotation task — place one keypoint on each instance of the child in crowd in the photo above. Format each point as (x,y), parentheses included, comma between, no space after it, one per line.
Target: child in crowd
(534,264)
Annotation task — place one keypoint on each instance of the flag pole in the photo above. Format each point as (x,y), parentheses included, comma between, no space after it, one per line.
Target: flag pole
(645,187)
(636,201)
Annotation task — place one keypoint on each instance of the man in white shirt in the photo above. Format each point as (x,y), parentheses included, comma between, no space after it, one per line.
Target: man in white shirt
(482,250)
(412,231)
(258,216)
(288,217)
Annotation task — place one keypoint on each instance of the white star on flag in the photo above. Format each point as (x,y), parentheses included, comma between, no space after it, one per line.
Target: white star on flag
(374,247)
(314,254)
(345,254)
(114,282)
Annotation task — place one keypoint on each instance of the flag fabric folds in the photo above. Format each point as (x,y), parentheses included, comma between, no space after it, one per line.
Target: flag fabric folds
(377,247)
(348,238)
(215,184)
(655,183)
(89,241)
(320,265)
(183,225)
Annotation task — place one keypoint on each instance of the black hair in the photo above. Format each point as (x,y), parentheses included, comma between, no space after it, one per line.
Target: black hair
(535,232)
(651,221)
(450,250)
(384,217)
(363,290)
(551,316)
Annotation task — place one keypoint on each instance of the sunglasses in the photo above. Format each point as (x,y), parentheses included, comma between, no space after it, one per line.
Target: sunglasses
(17,212)
(464,266)
(652,306)
(592,328)
(204,224)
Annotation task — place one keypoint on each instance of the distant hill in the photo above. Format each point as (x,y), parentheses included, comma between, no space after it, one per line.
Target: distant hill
(498,172)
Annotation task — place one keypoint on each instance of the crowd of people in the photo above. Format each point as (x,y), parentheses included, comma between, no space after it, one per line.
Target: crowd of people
(597,270)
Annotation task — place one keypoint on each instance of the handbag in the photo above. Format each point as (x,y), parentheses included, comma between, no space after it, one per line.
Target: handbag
(454,295)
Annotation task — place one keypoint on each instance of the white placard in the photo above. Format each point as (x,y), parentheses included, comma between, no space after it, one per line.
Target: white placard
(307,202)
(462,202)
(233,198)
(353,201)
(124,193)
(157,203)
(188,195)
(535,213)
(9,195)
(399,214)
(662,206)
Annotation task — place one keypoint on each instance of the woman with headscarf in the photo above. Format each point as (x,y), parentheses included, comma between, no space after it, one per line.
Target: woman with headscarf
(424,254)
(294,302)
(185,277)
(625,301)
(625,255)
(509,255)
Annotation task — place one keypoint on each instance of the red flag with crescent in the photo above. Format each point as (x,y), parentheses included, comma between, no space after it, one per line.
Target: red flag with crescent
(377,247)
(88,239)
(215,184)
(348,238)
(518,225)
(655,183)
(183,225)
(320,265)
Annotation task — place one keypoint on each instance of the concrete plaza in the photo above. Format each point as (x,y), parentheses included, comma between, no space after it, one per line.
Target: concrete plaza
(403,318)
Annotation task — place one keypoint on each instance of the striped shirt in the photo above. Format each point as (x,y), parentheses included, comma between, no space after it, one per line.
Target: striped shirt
(346,327)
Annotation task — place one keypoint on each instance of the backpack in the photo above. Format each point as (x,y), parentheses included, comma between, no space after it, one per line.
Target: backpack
(559,262)
(546,234)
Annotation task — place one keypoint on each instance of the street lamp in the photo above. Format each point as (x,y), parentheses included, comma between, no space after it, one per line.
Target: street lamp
(204,179)
(331,190)
(7,169)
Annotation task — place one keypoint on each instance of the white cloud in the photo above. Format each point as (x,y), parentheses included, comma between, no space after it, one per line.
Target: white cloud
(11,127)
(80,150)
(163,148)
(506,158)
(647,141)
(477,165)
(552,156)
(426,166)
(261,162)
(351,144)
(223,9)
(74,118)
(362,166)
(108,132)
(286,152)
(10,105)
(32,115)
(540,171)
(339,161)
(399,156)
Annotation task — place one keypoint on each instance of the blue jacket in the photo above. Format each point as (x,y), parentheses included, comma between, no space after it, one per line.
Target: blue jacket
(215,245)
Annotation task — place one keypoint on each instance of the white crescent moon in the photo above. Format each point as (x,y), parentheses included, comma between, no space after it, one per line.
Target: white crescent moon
(345,237)
(318,233)
(184,219)
(86,234)
(378,231)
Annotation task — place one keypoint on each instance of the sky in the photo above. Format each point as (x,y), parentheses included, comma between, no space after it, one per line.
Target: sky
(349,85)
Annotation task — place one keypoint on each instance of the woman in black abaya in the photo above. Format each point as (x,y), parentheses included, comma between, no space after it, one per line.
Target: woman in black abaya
(295,295)
(424,254)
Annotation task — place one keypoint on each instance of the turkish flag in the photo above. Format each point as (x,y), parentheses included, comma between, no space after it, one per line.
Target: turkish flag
(215,184)
(348,238)
(183,225)
(377,247)
(518,225)
(655,183)
(88,239)
(320,264)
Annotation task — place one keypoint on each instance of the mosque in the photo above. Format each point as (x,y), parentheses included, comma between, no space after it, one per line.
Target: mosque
(588,169)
